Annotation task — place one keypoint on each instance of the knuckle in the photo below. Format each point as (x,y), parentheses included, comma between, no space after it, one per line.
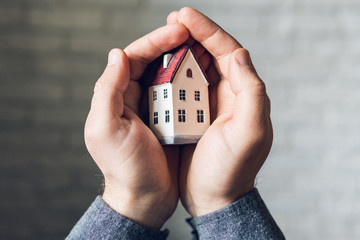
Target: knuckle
(100,84)
(260,137)
(246,51)
(258,87)
(92,134)
(264,134)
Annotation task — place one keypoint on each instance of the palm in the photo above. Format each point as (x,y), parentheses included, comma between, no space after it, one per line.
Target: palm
(126,143)
(148,160)
(223,165)
(202,165)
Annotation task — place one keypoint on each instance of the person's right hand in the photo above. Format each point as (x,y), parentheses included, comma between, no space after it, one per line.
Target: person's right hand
(140,177)
(226,160)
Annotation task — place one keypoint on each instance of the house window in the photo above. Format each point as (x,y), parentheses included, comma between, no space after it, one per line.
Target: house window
(197,95)
(156,118)
(165,93)
(189,73)
(167,116)
(182,94)
(200,116)
(154,95)
(182,117)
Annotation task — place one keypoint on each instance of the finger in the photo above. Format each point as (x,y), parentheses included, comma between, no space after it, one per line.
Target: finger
(107,100)
(213,102)
(132,96)
(219,43)
(146,49)
(172,18)
(251,99)
(212,74)
(202,55)
(198,49)
(205,60)
(243,76)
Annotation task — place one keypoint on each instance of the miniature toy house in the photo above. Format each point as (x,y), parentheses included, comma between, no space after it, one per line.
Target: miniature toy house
(179,99)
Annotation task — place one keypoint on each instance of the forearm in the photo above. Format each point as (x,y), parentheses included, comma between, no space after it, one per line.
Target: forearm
(247,218)
(101,222)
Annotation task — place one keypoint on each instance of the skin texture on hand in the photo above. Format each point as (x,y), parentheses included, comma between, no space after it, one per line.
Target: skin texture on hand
(223,165)
(140,182)
(142,178)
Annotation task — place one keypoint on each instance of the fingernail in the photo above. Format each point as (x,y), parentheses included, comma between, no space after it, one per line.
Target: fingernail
(113,57)
(243,58)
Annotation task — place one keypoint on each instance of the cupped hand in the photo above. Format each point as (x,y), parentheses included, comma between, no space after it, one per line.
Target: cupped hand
(226,160)
(140,176)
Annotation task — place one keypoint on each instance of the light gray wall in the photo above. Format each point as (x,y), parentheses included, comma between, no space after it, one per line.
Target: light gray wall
(307,52)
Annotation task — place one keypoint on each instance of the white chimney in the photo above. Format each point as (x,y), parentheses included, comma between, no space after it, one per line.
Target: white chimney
(167,58)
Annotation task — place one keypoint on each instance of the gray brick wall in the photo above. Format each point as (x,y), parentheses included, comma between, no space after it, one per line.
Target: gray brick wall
(307,52)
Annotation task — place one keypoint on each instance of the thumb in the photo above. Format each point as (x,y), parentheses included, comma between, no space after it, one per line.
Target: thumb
(242,74)
(108,99)
(251,105)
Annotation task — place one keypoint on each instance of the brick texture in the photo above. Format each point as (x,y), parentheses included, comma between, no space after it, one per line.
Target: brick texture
(307,52)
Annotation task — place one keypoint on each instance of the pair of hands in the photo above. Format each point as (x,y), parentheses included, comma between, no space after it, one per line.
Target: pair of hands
(144,180)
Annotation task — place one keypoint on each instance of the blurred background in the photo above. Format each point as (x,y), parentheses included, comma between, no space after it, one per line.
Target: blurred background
(307,52)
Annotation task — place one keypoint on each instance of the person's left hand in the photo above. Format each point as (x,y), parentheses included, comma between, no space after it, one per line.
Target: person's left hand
(223,165)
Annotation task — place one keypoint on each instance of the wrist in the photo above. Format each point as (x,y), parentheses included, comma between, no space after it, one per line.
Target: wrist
(150,210)
(205,204)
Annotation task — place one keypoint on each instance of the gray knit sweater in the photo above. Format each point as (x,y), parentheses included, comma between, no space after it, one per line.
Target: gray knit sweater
(247,218)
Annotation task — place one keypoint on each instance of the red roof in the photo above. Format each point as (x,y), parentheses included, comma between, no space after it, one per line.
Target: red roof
(167,75)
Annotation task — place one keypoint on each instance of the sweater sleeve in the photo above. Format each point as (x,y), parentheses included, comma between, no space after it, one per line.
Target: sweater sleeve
(102,222)
(247,218)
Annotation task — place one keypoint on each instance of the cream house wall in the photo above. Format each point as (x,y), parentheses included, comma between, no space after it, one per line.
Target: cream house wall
(196,83)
